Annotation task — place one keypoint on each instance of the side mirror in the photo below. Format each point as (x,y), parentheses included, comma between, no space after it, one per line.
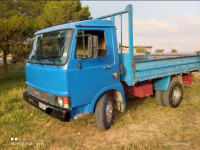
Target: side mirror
(92,46)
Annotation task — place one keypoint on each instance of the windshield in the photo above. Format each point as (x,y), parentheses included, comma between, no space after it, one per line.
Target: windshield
(51,48)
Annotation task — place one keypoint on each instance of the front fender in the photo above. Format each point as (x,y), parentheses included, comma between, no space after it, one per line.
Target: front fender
(117,87)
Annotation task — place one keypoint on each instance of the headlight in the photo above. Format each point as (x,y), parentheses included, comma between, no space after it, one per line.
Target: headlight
(60,101)
(63,101)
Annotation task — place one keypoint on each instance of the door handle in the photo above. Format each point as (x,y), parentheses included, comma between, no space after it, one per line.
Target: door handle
(107,67)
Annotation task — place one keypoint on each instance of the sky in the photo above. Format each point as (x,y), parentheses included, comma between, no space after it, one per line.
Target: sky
(161,24)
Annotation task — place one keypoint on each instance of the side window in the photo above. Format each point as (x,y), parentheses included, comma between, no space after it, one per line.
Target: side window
(82,43)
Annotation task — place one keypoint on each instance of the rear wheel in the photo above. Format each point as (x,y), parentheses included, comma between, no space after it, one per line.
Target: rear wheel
(173,96)
(159,97)
(104,112)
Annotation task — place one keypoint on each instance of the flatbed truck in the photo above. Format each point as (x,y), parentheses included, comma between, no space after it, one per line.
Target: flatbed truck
(76,69)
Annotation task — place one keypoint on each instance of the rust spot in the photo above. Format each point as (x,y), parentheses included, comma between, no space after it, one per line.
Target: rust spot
(132,64)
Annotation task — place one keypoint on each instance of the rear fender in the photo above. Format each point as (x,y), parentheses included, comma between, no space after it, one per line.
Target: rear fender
(162,83)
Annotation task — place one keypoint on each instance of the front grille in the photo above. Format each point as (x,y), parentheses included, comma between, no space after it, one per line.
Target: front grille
(43,96)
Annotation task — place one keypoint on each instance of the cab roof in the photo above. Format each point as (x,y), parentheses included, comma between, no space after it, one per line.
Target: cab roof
(90,23)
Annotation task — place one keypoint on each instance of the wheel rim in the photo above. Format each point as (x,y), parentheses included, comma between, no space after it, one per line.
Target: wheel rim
(176,94)
(109,111)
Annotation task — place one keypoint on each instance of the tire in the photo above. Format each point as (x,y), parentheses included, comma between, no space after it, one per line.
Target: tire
(173,96)
(104,112)
(159,97)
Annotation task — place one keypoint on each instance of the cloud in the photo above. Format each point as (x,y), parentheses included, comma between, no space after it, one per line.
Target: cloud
(180,32)
(146,25)
(186,25)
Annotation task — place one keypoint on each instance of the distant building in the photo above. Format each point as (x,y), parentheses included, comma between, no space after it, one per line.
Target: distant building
(125,49)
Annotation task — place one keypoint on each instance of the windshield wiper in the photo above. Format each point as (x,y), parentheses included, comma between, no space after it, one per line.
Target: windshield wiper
(35,56)
(48,57)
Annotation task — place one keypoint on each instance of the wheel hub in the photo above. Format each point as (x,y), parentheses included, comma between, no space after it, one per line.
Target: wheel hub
(109,111)
(176,94)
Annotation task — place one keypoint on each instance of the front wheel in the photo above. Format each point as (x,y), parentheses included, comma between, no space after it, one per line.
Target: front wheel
(104,112)
(173,96)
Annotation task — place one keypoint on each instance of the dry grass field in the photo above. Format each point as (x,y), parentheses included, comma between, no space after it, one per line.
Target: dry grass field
(144,125)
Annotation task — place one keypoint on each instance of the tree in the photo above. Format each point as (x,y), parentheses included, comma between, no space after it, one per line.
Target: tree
(141,50)
(159,50)
(20,19)
(56,13)
(174,50)
(15,27)
(13,32)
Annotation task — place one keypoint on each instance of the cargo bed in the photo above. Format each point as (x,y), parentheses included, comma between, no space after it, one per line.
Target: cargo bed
(148,67)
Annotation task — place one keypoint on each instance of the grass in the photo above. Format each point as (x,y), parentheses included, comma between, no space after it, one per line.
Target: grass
(144,125)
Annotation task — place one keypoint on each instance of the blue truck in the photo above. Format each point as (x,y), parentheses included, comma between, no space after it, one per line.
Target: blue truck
(77,69)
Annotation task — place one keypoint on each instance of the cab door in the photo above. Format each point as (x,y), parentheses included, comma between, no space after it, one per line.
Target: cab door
(94,73)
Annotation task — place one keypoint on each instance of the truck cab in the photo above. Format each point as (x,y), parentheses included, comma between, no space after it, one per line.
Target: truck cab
(71,67)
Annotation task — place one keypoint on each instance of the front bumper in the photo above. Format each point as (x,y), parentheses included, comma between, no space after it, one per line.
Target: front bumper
(56,112)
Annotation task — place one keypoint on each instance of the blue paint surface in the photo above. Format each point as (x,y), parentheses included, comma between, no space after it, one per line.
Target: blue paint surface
(128,72)
(156,68)
(162,83)
(50,79)
(86,23)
